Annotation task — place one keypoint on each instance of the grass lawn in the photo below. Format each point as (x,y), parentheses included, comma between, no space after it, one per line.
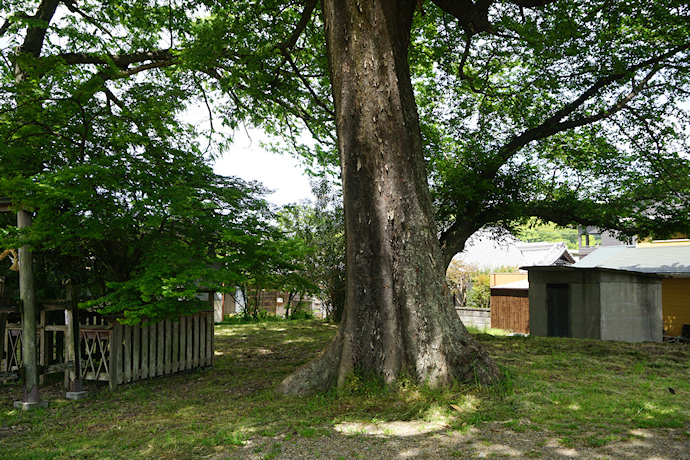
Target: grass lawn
(559,393)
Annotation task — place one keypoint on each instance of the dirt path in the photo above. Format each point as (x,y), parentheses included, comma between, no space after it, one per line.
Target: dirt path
(417,440)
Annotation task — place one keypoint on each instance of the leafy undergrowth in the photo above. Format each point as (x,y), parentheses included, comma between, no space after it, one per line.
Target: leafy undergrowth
(583,392)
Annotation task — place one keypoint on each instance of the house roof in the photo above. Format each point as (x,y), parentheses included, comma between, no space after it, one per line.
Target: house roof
(670,260)
(5,204)
(484,251)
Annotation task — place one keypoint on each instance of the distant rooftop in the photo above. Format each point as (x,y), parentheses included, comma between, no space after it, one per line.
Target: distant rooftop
(5,203)
(486,251)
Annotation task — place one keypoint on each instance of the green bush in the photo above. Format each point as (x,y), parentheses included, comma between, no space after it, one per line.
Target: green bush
(302,314)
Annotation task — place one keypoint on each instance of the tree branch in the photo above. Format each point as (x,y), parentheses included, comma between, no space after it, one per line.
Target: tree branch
(532,3)
(120,60)
(305,18)
(582,121)
(552,125)
(8,22)
(473,17)
(305,82)
(463,60)
(35,36)
(72,6)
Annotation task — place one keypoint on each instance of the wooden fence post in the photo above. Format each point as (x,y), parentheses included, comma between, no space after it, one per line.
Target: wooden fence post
(115,352)
(210,341)
(75,388)
(4,304)
(153,368)
(3,321)
(160,348)
(144,350)
(127,375)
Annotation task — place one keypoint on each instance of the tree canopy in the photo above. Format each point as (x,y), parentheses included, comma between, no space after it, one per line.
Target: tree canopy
(575,113)
(92,141)
(572,112)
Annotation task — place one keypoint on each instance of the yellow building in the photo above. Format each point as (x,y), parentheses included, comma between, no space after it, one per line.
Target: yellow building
(678,240)
(675,291)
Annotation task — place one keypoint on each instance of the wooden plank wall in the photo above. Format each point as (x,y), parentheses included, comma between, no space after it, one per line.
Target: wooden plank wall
(510,310)
(162,348)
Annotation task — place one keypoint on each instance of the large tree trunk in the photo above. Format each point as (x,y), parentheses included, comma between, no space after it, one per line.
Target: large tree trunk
(398,318)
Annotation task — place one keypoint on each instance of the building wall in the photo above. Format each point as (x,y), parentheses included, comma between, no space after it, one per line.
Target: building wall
(676,240)
(583,295)
(497,279)
(631,308)
(603,304)
(676,305)
(477,317)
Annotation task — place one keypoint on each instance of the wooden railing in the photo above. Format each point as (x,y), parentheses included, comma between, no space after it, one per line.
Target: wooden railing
(118,353)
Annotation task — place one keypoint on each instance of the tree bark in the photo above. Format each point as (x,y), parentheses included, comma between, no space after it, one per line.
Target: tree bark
(398,318)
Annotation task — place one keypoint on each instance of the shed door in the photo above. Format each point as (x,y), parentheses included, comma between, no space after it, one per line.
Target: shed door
(558,306)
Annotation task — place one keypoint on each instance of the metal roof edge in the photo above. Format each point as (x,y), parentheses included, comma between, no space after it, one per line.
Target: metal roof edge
(603,269)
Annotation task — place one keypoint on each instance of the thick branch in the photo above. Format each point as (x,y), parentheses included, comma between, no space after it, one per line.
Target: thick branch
(532,3)
(473,17)
(120,60)
(303,22)
(453,239)
(35,36)
(553,124)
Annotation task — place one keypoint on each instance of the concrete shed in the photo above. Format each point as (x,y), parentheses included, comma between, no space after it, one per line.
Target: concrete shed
(670,261)
(595,303)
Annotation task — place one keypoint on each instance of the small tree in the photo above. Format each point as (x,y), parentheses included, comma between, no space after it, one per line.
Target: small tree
(320,227)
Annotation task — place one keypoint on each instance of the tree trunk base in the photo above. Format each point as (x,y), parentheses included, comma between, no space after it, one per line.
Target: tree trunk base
(470,364)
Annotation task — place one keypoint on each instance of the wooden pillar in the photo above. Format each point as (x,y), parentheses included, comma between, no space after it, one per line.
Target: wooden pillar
(75,389)
(210,340)
(115,355)
(27,294)
(3,321)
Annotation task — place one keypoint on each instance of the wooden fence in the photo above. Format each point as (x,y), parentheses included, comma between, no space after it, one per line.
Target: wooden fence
(118,353)
(151,350)
(510,310)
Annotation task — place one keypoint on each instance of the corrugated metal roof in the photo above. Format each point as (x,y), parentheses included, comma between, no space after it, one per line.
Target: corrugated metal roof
(486,252)
(662,260)
(599,256)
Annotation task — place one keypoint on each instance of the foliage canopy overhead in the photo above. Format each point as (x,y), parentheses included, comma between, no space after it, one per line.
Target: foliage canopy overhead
(573,112)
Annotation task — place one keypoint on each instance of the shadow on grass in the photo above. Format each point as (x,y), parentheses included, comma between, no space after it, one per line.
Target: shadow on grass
(562,398)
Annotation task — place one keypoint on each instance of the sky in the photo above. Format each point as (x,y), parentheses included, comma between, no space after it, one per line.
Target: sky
(246,159)
(282,173)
